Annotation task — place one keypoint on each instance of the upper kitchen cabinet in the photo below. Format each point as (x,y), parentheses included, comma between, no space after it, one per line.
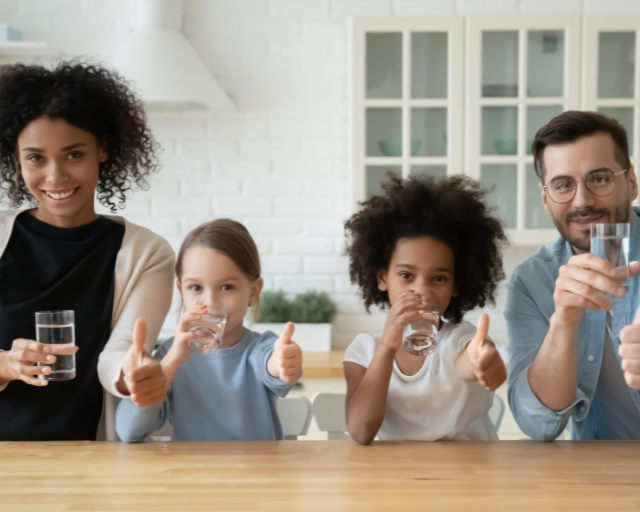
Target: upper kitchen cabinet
(406,99)
(610,72)
(521,71)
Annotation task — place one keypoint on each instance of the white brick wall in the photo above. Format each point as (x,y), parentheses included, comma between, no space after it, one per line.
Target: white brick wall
(280,163)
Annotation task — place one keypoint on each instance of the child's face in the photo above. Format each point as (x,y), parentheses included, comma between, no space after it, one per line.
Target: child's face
(209,276)
(419,263)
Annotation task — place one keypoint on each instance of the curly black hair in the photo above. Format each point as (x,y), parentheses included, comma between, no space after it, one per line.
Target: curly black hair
(451,210)
(90,97)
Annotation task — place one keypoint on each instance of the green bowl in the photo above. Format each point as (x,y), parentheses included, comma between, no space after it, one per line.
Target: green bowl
(393,147)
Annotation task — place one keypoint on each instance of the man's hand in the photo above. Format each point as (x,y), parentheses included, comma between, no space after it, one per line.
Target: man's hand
(580,286)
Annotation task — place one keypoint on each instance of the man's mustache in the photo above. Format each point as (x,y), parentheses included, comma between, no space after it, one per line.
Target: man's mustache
(587,212)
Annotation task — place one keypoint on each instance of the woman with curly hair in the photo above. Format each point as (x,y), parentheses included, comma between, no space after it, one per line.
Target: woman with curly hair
(424,237)
(69,135)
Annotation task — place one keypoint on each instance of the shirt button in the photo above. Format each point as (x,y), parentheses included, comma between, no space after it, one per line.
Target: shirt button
(591,358)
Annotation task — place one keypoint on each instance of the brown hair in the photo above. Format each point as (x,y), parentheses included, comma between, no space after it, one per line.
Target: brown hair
(230,238)
(573,124)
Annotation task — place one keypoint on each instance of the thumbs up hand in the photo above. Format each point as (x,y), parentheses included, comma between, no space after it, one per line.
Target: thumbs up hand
(485,359)
(286,361)
(630,352)
(141,376)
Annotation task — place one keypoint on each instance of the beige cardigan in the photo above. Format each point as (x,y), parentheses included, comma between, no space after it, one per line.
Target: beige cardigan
(143,289)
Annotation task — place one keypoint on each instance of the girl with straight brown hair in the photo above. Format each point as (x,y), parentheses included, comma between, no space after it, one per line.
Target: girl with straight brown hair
(223,380)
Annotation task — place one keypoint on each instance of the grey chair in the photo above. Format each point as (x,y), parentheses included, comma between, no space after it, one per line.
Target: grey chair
(295,416)
(330,412)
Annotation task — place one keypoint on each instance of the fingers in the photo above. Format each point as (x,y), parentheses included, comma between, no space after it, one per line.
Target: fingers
(34,346)
(574,294)
(32,357)
(630,334)
(139,338)
(482,330)
(591,262)
(289,362)
(490,369)
(288,332)
(147,384)
(193,314)
(594,280)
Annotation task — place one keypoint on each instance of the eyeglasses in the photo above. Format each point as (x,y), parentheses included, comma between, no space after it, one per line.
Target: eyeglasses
(600,182)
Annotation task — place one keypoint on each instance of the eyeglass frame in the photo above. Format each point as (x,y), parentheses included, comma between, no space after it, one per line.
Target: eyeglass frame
(575,190)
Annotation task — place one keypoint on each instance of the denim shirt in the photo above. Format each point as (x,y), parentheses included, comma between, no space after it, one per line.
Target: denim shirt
(528,312)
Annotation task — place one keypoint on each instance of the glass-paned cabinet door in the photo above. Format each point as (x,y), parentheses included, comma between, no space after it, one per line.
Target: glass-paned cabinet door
(406,99)
(521,71)
(610,81)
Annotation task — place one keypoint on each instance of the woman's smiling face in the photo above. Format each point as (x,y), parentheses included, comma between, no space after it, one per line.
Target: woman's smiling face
(60,164)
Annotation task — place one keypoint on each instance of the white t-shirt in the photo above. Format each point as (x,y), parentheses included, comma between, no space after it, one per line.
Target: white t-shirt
(435,403)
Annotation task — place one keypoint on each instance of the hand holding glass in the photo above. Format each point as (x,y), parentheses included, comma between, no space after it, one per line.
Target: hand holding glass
(209,329)
(420,337)
(57,329)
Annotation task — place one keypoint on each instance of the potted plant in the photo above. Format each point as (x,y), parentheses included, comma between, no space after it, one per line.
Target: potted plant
(311,311)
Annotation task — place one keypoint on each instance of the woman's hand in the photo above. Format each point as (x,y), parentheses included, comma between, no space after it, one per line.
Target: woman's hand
(408,308)
(20,363)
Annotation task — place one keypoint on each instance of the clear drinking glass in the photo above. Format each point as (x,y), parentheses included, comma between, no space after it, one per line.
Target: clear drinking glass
(210,329)
(57,328)
(420,338)
(611,242)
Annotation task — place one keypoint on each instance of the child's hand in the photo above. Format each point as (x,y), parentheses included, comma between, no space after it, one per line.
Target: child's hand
(180,348)
(407,309)
(485,359)
(286,361)
(142,375)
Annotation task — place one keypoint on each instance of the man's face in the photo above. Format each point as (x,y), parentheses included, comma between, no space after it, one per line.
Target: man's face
(576,160)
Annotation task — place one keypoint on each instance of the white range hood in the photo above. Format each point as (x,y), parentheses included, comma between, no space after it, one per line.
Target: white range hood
(164,66)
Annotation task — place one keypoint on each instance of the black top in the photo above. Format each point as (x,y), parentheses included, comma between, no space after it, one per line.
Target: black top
(48,268)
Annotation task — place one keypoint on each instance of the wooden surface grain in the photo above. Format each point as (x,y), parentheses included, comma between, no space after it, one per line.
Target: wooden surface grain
(320,476)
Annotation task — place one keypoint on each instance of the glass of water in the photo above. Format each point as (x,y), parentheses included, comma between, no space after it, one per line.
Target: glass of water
(420,337)
(611,242)
(57,328)
(210,329)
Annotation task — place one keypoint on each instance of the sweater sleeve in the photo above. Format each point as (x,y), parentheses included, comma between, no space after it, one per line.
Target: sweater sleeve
(143,289)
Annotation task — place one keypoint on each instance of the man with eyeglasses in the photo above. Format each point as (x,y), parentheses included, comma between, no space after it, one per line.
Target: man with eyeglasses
(574,352)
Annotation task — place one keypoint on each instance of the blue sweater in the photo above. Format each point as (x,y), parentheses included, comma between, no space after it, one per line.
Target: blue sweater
(226,396)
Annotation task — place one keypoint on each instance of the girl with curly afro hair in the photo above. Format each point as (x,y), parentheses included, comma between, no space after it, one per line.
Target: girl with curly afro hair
(424,239)
(69,135)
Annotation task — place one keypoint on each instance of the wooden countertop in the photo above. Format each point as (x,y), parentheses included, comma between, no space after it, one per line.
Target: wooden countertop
(323,365)
(320,476)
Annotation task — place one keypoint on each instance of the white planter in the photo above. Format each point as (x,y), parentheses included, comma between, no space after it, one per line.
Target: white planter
(310,337)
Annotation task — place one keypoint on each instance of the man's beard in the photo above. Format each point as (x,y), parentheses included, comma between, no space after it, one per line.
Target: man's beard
(584,244)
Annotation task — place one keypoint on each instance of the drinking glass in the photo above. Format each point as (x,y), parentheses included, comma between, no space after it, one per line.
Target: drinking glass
(210,329)
(57,328)
(420,337)
(611,242)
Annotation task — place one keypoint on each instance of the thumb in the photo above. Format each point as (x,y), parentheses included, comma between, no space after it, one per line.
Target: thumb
(481,331)
(634,268)
(285,339)
(139,337)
